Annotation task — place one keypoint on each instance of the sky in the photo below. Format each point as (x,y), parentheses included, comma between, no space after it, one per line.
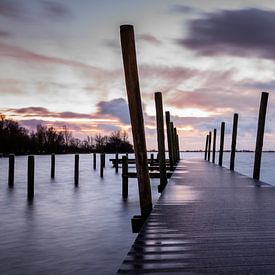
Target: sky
(61,64)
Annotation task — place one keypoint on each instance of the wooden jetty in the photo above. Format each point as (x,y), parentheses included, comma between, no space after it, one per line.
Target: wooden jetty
(208,220)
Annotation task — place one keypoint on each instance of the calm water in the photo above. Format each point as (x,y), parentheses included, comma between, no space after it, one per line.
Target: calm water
(76,230)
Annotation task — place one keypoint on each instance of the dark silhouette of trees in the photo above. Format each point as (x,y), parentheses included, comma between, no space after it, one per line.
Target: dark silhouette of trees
(45,140)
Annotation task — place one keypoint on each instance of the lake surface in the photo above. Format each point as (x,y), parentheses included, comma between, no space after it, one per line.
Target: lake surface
(77,230)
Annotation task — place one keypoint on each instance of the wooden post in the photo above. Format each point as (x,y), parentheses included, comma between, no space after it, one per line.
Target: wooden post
(161,142)
(11,170)
(137,123)
(209,146)
(178,146)
(104,160)
(221,143)
(234,141)
(94,161)
(101,164)
(169,139)
(30,177)
(152,160)
(116,163)
(173,143)
(124,177)
(214,146)
(260,136)
(206,148)
(52,166)
(76,169)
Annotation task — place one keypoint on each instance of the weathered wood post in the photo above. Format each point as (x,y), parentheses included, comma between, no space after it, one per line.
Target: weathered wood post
(234,141)
(30,177)
(76,169)
(124,177)
(260,136)
(11,170)
(94,160)
(104,160)
(221,143)
(52,166)
(152,159)
(173,144)
(116,163)
(161,142)
(136,115)
(178,146)
(209,146)
(101,164)
(214,145)
(206,147)
(169,140)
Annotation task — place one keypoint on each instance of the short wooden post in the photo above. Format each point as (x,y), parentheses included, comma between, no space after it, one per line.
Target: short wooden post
(101,165)
(234,141)
(178,146)
(94,160)
(214,145)
(124,177)
(169,139)
(206,147)
(173,143)
(76,169)
(137,123)
(209,146)
(221,143)
(52,166)
(30,177)
(104,159)
(116,163)
(161,142)
(11,170)
(152,159)
(260,136)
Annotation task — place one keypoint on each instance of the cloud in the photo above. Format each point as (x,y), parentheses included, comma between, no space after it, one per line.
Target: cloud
(11,9)
(148,38)
(116,108)
(177,8)
(246,32)
(56,10)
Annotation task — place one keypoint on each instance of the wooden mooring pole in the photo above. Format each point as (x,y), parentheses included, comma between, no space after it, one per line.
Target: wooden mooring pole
(214,146)
(30,188)
(161,142)
(116,163)
(178,145)
(102,157)
(221,143)
(260,136)
(137,123)
(169,140)
(124,177)
(94,160)
(173,144)
(11,170)
(76,169)
(206,147)
(52,166)
(209,146)
(234,141)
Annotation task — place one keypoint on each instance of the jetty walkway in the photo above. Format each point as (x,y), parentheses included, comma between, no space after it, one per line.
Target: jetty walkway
(208,220)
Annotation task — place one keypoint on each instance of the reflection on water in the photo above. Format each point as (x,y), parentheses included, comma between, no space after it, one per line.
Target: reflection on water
(75,230)
(67,229)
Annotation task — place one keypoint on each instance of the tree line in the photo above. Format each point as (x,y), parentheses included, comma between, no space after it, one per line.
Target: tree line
(45,140)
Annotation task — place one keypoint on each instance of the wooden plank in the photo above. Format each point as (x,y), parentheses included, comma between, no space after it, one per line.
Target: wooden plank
(211,221)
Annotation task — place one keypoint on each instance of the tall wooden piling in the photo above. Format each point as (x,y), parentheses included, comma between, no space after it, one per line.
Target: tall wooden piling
(169,140)
(76,169)
(173,143)
(178,146)
(30,188)
(52,166)
(234,141)
(161,142)
(152,159)
(11,170)
(124,177)
(102,157)
(94,160)
(137,123)
(260,136)
(214,146)
(209,146)
(116,163)
(206,147)
(221,143)
(104,160)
